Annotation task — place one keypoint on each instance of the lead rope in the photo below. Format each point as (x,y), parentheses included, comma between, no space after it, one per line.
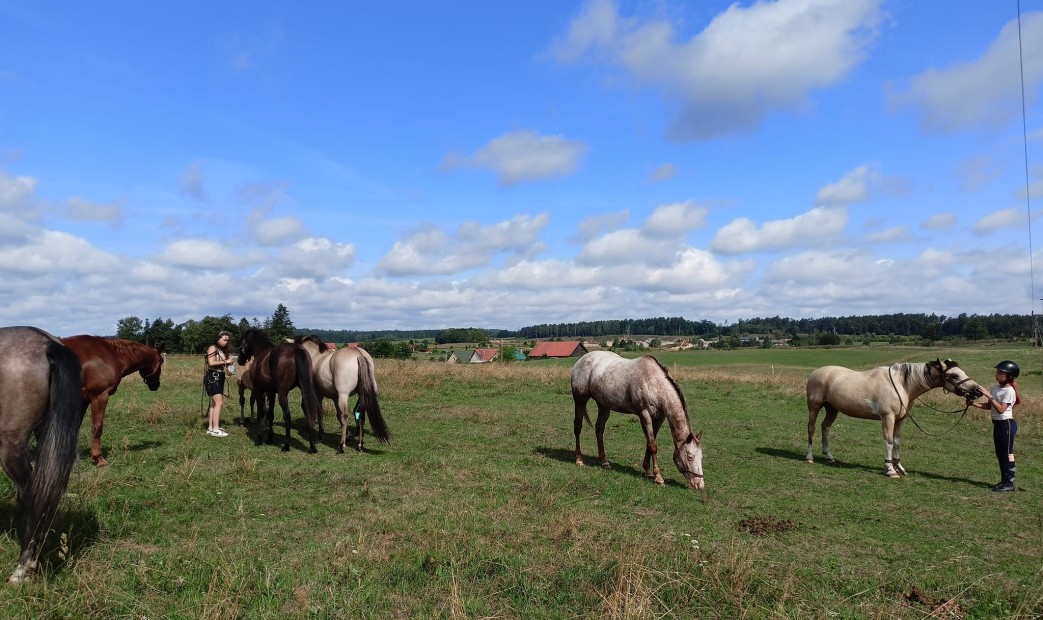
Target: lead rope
(909,414)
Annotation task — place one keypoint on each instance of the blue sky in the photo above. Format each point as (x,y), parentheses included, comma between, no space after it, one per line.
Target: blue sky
(427,165)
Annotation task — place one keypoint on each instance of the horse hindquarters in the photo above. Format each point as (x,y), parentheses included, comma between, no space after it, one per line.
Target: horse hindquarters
(57,441)
(368,404)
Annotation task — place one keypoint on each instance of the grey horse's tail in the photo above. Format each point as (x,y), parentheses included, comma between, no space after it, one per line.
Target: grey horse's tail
(57,440)
(368,403)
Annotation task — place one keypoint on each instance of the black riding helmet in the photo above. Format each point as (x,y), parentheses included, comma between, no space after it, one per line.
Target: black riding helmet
(1010,368)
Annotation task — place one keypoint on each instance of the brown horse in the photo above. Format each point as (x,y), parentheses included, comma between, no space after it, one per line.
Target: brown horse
(642,387)
(105,361)
(40,383)
(276,370)
(885,393)
(339,374)
(244,381)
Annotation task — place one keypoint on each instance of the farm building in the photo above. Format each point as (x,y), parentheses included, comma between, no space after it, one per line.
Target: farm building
(481,356)
(567,348)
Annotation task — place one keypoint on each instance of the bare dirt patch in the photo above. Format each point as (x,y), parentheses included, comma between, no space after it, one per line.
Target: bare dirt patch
(762,526)
(937,607)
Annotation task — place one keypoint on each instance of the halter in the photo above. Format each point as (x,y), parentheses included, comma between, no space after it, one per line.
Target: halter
(956,390)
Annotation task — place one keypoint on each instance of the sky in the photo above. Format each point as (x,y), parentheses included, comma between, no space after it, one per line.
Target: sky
(422,165)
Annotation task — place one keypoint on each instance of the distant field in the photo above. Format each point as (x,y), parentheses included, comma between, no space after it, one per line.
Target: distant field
(476,509)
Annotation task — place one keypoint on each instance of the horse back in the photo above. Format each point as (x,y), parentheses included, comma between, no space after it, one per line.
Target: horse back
(863,394)
(625,385)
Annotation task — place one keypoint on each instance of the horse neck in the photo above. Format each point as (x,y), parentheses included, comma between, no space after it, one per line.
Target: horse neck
(673,405)
(914,377)
(132,356)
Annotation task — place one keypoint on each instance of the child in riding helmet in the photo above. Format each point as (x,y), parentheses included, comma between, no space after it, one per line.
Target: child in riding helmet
(1003,396)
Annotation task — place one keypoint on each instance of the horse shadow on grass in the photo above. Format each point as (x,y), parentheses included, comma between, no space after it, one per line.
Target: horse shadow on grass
(569,456)
(299,430)
(73,533)
(876,469)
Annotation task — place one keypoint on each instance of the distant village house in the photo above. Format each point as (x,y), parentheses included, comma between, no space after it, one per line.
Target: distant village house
(567,348)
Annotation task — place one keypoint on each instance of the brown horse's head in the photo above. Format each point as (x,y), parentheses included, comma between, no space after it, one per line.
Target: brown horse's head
(689,460)
(150,374)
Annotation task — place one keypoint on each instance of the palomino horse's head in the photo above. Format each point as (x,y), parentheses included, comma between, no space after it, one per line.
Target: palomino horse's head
(954,379)
(150,374)
(689,460)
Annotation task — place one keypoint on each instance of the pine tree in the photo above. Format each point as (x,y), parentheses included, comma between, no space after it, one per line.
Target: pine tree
(279,326)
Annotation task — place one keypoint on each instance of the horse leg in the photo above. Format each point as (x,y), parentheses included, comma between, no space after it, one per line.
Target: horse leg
(813,409)
(242,404)
(888,423)
(97,425)
(651,447)
(360,427)
(599,432)
(342,417)
(14,458)
(897,440)
(269,418)
(284,402)
(577,422)
(827,423)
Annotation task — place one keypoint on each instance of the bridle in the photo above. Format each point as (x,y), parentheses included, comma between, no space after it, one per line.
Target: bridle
(956,389)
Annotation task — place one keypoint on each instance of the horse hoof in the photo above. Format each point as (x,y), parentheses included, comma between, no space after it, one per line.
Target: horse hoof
(894,475)
(285,448)
(579,462)
(312,450)
(606,465)
(340,450)
(101,462)
(812,461)
(660,482)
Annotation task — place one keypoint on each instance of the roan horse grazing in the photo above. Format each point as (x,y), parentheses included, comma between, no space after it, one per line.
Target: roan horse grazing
(105,361)
(642,387)
(339,374)
(276,370)
(885,393)
(40,383)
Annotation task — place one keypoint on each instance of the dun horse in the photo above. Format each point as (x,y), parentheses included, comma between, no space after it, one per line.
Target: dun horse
(105,361)
(244,380)
(40,383)
(339,374)
(276,370)
(644,388)
(885,393)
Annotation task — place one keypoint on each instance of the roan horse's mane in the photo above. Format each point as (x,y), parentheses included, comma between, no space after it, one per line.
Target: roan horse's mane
(677,388)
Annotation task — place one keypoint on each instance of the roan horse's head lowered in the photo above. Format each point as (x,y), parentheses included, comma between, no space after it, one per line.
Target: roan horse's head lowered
(644,388)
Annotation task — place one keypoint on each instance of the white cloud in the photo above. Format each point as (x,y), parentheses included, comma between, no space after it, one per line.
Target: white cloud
(939,222)
(432,251)
(854,187)
(15,192)
(742,234)
(1013,217)
(278,231)
(984,93)
(598,225)
(55,253)
(746,63)
(674,220)
(524,156)
(890,235)
(200,254)
(86,211)
(192,181)
(662,173)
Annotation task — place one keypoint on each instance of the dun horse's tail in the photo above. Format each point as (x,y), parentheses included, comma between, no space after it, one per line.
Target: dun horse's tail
(368,403)
(309,400)
(57,439)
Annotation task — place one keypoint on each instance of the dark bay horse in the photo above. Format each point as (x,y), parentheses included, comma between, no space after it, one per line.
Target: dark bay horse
(885,393)
(40,384)
(339,374)
(641,387)
(105,362)
(276,370)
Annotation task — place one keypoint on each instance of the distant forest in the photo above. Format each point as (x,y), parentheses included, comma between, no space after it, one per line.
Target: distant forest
(925,326)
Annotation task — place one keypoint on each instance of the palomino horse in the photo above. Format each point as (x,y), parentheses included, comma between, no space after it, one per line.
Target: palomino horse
(244,380)
(276,370)
(339,374)
(642,387)
(40,383)
(105,362)
(885,393)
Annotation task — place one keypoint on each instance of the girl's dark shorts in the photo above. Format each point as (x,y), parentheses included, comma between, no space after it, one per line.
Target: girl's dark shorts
(214,382)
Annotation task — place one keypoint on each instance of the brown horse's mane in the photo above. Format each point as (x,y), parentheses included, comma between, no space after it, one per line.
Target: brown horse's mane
(124,346)
(677,388)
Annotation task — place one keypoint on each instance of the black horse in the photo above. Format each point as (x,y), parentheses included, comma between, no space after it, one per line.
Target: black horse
(276,370)
(40,383)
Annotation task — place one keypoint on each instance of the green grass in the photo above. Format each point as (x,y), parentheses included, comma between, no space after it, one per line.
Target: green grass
(477,510)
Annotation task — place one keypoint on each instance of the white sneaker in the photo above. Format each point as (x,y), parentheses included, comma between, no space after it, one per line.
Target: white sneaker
(216,432)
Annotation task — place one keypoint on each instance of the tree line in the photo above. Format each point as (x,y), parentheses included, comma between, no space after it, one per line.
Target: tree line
(193,336)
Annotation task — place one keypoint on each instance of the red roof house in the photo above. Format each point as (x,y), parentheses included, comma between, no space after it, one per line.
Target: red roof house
(481,356)
(567,348)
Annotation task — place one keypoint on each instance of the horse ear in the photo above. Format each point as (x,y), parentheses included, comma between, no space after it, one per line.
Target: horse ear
(696,438)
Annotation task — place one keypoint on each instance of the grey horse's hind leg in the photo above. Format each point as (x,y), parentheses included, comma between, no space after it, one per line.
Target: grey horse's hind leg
(827,423)
(599,431)
(651,427)
(577,423)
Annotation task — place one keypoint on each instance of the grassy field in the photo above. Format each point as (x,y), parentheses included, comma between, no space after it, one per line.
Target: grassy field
(476,509)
